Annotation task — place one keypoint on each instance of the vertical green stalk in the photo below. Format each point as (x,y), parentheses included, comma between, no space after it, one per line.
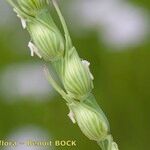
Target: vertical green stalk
(63,22)
(108,144)
(75,76)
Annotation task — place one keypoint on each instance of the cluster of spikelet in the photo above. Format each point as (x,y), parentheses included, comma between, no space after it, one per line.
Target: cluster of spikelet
(49,44)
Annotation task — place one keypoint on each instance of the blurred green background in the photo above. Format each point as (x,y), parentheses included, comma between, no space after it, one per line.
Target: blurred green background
(120,63)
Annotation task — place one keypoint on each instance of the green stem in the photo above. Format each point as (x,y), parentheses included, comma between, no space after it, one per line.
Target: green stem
(12,3)
(56,86)
(108,143)
(17,9)
(64,25)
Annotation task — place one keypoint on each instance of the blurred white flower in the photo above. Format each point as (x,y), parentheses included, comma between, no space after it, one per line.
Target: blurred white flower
(119,23)
(31,133)
(24,80)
